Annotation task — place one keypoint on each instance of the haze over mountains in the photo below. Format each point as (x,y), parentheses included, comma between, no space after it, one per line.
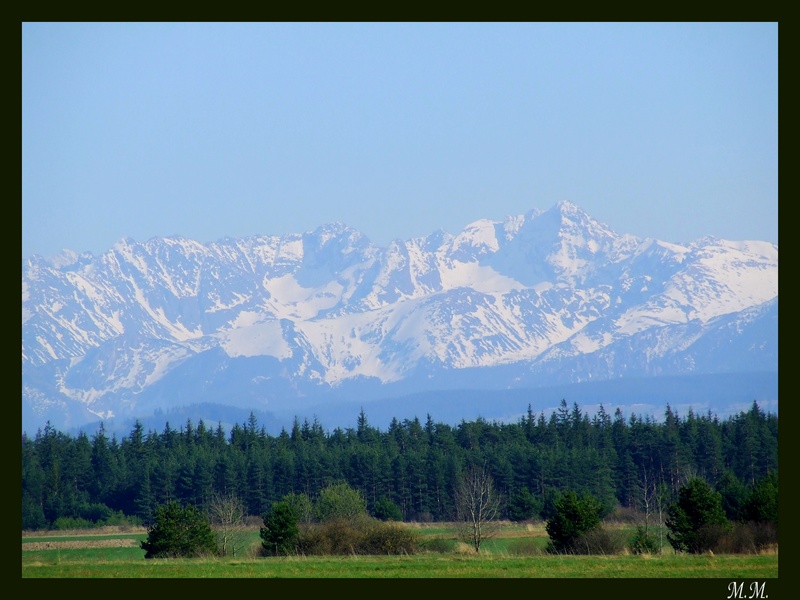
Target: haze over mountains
(499,316)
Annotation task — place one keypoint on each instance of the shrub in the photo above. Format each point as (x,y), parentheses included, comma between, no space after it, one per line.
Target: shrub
(279,532)
(574,517)
(598,540)
(333,537)
(302,506)
(311,541)
(340,501)
(97,512)
(386,510)
(64,523)
(179,531)
(121,520)
(643,542)
(363,536)
(764,535)
(93,516)
(697,520)
(389,538)
(709,536)
(748,538)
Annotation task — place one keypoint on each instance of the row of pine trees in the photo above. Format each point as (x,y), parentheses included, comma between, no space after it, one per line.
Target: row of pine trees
(78,479)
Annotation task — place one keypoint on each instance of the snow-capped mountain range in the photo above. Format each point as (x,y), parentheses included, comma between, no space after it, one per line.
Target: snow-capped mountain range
(284,322)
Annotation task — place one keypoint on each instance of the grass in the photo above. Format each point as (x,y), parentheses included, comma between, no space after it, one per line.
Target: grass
(417,566)
(40,539)
(516,552)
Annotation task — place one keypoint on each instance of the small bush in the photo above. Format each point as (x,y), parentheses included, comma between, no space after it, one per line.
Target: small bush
(362,536)
(575,516)
(643,542)
(124,521)
(386,510)
(98,513)
(465,549)
(765,535)
(311,541)
(63,523)
(599,541)
(334,537)
(179,531)
(709,536)
(339,501)
(95,516)
(748,538)
(389,538)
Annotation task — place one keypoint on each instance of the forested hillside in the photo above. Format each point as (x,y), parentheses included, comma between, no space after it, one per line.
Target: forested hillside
(414,464)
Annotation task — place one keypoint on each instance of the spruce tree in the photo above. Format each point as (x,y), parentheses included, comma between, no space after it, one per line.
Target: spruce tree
(179,531)
(280,531)
(574,517)
(697,520)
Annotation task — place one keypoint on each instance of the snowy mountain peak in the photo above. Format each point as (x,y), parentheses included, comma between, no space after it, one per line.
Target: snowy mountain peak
(547,296)
(479,237)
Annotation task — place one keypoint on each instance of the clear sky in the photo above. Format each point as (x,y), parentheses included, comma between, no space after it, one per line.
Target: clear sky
(209,130)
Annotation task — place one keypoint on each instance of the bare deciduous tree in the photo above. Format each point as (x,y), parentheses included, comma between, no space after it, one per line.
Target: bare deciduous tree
(477,507)
(227,513)
(651,500)
(646,497)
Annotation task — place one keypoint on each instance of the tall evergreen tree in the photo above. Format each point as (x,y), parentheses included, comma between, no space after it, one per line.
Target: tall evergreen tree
(104,468)
(761,503)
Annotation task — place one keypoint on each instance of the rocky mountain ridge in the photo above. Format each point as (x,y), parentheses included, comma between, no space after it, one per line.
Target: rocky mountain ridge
(284,322)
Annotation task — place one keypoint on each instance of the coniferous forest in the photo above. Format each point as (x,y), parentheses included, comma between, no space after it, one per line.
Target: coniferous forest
(82,480)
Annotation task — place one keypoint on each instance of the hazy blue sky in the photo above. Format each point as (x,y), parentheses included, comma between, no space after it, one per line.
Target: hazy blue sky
(210,130)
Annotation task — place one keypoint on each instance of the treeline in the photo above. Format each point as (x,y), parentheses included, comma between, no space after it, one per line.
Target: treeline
(74,481)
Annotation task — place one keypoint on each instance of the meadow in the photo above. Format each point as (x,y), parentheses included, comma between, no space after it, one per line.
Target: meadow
(517,551)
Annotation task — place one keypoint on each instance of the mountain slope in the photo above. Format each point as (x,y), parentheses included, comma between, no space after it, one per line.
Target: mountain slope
(282,322)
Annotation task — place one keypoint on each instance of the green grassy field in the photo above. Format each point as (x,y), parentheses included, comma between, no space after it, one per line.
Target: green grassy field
(516,552)
(417,566)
